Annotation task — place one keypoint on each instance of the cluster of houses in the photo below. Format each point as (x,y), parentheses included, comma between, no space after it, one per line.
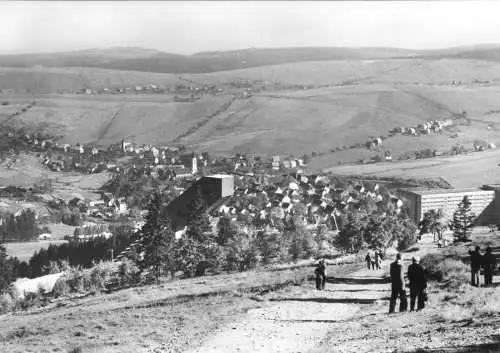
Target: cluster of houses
(287,163)
(427,128)
(314,197)
(179,89)
(481,146)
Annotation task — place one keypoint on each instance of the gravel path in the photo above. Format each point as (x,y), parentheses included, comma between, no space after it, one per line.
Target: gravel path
(298,318)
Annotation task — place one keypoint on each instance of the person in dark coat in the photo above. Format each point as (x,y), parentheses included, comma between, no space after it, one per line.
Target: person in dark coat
(397,285)
(320,273)
(489,264)
(418,284)
(475,266)
(377,259)
(368,260)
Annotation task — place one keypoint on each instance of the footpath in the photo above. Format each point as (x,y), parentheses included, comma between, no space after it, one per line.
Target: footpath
(299,317)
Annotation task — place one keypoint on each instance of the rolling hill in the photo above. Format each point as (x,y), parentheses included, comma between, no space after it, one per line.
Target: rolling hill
(148,60)
(350,100)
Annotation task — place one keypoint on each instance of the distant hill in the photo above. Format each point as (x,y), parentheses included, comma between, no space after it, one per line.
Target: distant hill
(137,59)
(148,60)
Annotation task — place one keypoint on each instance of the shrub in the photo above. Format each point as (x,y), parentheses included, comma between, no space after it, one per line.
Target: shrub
(440,268)
(242,253)
(61,288)
(7,303)
(99,277)
(302,244)
(407,241)
(128,274)
(431,262)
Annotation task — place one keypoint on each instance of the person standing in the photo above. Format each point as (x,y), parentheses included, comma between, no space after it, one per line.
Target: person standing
(368,260)
(320,273)
(397,285)
(489,264)
(377,259)
(418,284)
(475,266)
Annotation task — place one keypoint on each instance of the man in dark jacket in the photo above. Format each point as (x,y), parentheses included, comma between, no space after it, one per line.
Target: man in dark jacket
(418,284)
(397,286)
(475,266)
(320,273)
(489,264)
(368,260)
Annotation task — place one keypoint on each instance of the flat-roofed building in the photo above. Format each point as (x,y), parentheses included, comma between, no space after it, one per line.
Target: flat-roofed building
(419,201)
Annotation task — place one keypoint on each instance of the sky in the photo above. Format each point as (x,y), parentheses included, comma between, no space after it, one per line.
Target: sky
(190,26)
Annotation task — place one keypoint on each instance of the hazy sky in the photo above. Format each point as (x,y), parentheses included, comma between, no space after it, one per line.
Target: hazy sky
(187,27)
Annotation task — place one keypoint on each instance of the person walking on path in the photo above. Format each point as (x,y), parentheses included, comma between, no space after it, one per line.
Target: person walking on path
(489,264)
(418,284)
(397,285)
(320,273)
(475,266)
(377,259)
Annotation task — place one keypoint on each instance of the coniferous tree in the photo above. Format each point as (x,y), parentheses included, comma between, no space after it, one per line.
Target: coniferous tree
(159,238)
(198,223)
(6,270)
(463,221)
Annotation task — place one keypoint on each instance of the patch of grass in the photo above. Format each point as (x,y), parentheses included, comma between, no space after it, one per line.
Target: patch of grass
(169,317)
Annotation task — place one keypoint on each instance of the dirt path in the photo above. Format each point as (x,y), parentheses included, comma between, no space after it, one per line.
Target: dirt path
(298,318)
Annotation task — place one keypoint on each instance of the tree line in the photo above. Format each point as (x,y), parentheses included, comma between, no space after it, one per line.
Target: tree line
(22,227)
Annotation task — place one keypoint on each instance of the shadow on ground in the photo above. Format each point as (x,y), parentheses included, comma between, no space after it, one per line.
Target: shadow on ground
(355,280)
(330,300)
(357,290)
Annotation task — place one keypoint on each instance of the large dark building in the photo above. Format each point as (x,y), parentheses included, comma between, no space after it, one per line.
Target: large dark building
(213,190)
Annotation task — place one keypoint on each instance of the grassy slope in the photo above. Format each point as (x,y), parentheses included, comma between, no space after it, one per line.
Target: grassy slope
(472,170)
(27,171)
(390,93)
(54,79)
(24,250)
(173,316)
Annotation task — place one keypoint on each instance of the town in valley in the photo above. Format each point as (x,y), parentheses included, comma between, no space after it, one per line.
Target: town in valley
(238,198)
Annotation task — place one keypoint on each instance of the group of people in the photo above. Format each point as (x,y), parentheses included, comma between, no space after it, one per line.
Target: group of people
(417,277)
(477,261)
(373,259)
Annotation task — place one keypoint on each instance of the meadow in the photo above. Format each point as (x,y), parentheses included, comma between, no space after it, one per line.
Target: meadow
(24,250)
(27,171)
(471,170)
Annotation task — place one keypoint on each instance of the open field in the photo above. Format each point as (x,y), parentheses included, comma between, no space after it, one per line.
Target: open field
(471,170)
(380,95)
(54,79)
(27,171)
(24,250)
(280,122)
(393,71)
(358,99)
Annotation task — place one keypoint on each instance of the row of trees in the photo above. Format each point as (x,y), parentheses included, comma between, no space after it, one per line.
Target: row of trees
(22,227)
(80,253)
(461,224)
(376,231)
